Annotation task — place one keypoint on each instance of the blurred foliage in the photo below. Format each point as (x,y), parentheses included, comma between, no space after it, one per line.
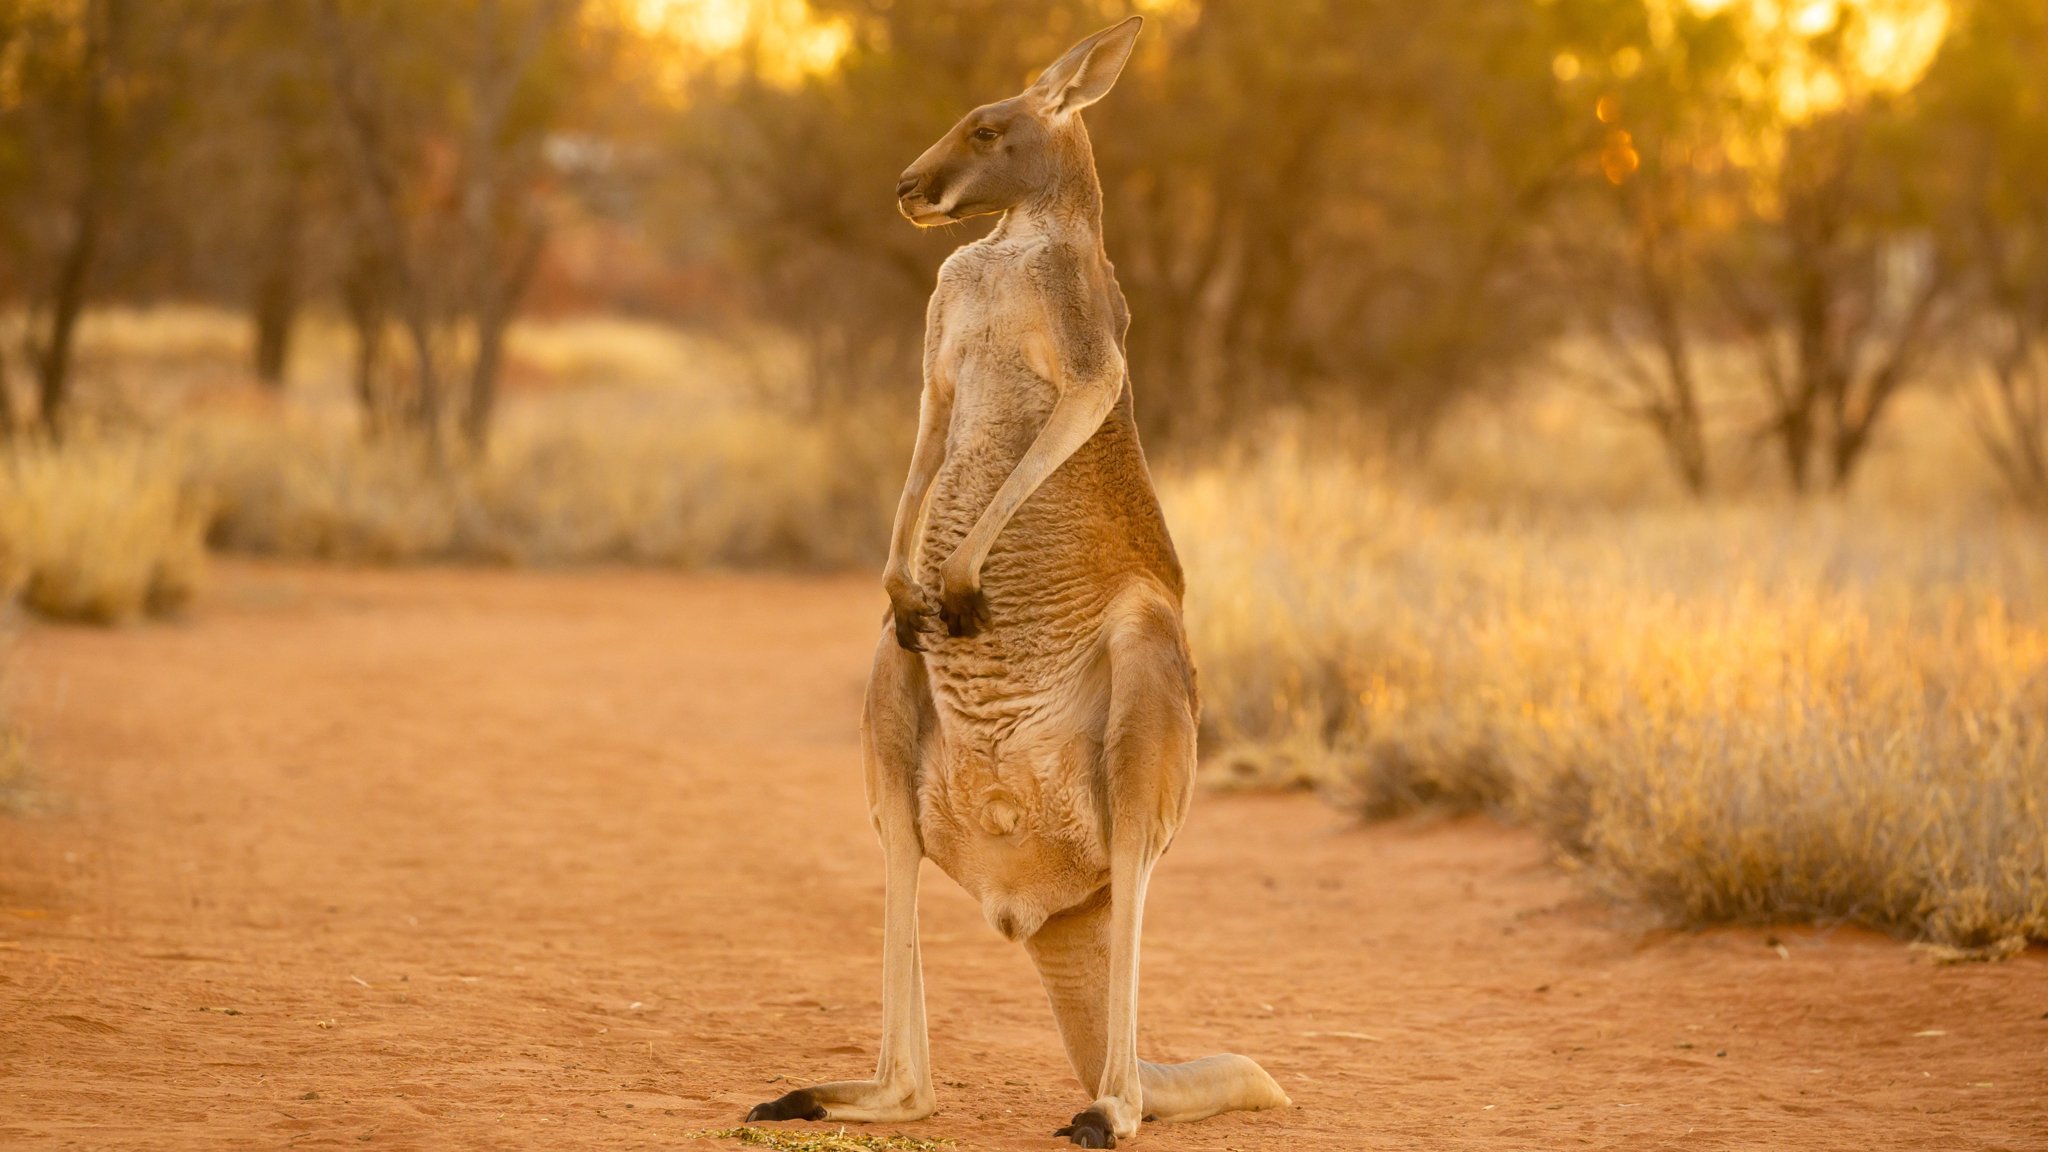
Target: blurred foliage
(1987,166)
(1388,208)
(1376,209)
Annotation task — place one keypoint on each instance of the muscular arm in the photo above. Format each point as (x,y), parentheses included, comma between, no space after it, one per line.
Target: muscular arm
(912,609)
(1086,367)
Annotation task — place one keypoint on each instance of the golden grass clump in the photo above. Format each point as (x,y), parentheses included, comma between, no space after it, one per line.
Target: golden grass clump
(98,532)
(1743,713)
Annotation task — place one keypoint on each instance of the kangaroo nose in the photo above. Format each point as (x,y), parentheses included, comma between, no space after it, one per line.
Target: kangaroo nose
(905,185)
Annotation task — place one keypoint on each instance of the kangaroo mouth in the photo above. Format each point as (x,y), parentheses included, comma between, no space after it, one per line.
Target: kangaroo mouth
(922,212)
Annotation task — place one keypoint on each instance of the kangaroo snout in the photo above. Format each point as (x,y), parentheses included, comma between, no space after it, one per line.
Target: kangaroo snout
(918,195)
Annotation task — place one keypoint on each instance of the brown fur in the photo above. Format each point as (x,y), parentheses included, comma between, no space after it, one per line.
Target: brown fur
(1031,713)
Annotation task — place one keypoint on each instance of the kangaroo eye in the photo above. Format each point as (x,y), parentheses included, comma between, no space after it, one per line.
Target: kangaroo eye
(985,134)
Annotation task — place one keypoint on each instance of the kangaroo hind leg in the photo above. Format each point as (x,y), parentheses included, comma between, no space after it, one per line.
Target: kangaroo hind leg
(1072,955)
(1088,956)
(893,724)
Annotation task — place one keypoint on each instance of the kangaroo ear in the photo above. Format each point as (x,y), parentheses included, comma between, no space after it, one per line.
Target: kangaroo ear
(1088,70)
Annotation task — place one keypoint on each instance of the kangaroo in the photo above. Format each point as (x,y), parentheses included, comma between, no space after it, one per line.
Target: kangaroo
(1030,713)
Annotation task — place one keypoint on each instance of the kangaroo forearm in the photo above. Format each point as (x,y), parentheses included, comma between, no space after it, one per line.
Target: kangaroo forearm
(1074,419)
(902,537)
(924,465)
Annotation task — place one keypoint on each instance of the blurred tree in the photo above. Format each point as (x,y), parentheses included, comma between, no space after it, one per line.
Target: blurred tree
(444,111)
(12,162)
(1656,93)
(1831,277)
(1370,206)
(272,114)
(1338,203)
(94,104)
(88,87)
(1762,165)
(1987,104)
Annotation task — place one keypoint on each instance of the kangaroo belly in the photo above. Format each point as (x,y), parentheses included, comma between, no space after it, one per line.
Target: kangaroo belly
(1014,819)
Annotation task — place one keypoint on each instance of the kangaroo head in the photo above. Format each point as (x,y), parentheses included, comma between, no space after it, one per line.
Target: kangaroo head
(1017,151)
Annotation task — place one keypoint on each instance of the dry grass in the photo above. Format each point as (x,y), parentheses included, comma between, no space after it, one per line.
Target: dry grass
(620,441)
(813,1140)
(1742,713)
(729,488)
(98,532)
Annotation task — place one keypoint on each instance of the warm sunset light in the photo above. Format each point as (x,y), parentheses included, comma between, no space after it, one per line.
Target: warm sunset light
(1811,57)
(630,573)
(790,39)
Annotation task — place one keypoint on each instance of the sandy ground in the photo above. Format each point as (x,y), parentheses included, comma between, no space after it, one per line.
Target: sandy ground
(437,859)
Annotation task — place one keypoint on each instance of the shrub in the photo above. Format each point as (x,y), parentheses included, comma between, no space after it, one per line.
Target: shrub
(98,532)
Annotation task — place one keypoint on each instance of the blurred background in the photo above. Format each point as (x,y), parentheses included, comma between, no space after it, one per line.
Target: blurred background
(1628,416)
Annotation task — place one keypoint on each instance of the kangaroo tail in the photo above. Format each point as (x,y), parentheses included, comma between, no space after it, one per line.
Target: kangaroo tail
(1204,1087)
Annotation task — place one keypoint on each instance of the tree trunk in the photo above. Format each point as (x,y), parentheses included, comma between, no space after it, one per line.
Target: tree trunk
(6,404)
(384,228)
(481,404)
(1684,435)
(493,319)
(277,292)
(67,298)
(1795,441)
(362,295)
(53,365)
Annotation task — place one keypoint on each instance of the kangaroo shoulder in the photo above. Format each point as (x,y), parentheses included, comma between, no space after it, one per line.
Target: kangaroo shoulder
(957,263)
(1063,268)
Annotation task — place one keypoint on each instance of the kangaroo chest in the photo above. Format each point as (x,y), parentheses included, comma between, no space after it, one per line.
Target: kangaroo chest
(1007,799)
(1056,565)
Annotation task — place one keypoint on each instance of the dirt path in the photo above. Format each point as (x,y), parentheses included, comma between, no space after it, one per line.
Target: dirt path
(466,859)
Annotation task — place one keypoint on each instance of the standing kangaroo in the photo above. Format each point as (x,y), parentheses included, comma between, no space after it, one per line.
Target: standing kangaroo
(1030,716)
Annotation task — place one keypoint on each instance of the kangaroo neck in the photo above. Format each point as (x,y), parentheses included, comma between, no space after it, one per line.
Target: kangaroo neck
(1071,209)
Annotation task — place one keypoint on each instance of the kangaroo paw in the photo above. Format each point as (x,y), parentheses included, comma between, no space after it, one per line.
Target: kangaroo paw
(964,611)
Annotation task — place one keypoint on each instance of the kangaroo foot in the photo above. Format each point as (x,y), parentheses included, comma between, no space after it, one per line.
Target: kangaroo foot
(1090,1129)
(801,1104)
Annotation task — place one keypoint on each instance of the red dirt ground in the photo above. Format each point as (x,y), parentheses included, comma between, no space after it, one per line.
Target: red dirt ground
(456,858)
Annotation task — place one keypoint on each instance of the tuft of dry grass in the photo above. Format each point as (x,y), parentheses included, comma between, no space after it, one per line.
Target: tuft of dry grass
(98,532)
(1745,713)
(811,1140)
